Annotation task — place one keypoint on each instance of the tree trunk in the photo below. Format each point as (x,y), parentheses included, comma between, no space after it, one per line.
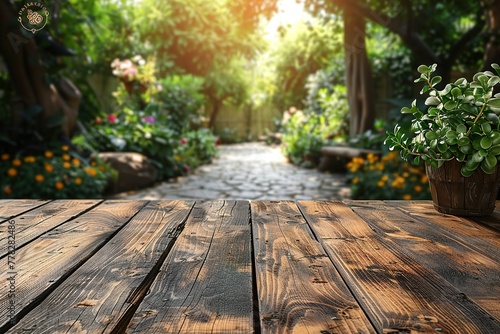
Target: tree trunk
(359,78)
(217,106)
(492,50)
(26,71)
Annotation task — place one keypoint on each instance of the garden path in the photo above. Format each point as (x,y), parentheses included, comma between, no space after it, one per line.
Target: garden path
(249,171)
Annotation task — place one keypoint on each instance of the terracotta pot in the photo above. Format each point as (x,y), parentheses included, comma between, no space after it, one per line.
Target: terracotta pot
(455,194)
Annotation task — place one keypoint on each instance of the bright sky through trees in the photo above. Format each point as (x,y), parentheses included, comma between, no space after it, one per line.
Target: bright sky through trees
(289,12)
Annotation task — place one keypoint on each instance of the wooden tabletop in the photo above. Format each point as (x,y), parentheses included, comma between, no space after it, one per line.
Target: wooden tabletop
(174,266)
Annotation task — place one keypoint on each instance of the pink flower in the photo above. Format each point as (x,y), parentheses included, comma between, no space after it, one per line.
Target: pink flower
(186,168)
(184,141)
(112,118)
(149,119)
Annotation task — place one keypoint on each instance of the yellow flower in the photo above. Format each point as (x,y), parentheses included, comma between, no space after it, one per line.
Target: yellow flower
(372,158)
(381,166)
(12,172)
(384,178)
(380,184)
(29,159)
(424,179)
(39,178)
(49,154)
(91,171)
(66,157)
(76,162)
(59,185)
(417,188)
(66,164)
(7,190)
(398,182)
(407,197)
(355,180)
(78,180)
(16,162)
(49,168)
(177,157)
(5,156)
(65,147)
(390,156)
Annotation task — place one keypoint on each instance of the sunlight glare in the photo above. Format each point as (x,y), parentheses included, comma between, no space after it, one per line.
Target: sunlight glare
(289,11)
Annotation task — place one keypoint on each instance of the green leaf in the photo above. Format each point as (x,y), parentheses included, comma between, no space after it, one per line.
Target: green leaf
(430,135)
(494,102)
(461,128)
(486,127)
(435,80)
(406,110)
(423,69)
(432,101)
(466,172)
(450,105)
(493,81)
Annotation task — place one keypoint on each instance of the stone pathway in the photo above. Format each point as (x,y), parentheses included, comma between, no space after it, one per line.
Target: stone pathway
(249,171)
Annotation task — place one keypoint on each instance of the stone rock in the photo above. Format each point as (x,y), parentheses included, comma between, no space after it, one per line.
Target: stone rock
(135,171)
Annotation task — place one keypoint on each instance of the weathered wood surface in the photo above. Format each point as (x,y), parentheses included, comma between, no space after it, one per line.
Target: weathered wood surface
(90,266)
(299,289)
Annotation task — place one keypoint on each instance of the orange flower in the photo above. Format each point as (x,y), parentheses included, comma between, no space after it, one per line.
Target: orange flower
(59,185)
(39,178)
(49,154)
(5,156)
(65,147)
(91,171)
(417,188)
(407,197)
(16,162)
(66,157)
(355,180)
(66,164)
(93,163)
(29,159)
(424,179)
(12,172)
(49,168)
(7,190)
(76,162)
(78,180)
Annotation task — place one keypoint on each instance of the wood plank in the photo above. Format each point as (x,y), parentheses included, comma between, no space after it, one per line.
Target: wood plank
(398,293)
(30,225)
(475,235)
(470,271)
(10,208)
(42,264)
(100,294)
(205,285)
(299,289)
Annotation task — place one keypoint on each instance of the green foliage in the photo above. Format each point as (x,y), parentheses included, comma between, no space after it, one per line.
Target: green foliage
(181,99)
(303,136)
(461,123)
(387,178)
(303,50)
(54,173)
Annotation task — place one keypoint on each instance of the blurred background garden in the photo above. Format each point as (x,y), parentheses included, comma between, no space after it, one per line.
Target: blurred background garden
(109,92)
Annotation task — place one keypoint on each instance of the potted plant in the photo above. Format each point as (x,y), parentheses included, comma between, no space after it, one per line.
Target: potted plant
(458,138)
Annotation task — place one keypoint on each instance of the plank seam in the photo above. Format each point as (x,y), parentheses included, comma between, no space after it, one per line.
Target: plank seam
(138,295)
(40,298)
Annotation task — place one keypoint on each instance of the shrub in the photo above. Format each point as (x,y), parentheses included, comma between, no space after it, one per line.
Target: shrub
(54,173)
(387,177)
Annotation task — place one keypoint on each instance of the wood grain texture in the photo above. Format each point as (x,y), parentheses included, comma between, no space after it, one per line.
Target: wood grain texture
(205,284)
(299,289)
(42,264)
(10,208)
(398,293)
(30,225)
(98,295)
(451,254)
